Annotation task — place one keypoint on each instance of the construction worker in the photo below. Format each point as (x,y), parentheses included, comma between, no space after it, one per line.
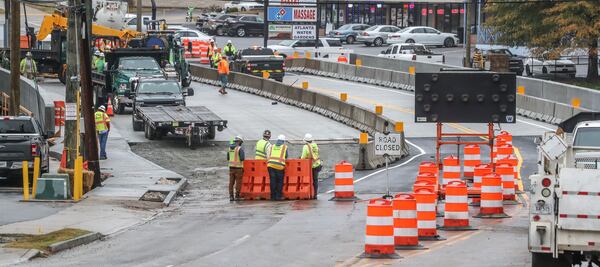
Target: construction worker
(229,50)
(477,59)
(310,150)
(276,167)
(190,13)
(211,52)
(223,69)
(28,67)
(96,57)
(235,157)
(100,63)
(263,146)
(102,129)
(216,58)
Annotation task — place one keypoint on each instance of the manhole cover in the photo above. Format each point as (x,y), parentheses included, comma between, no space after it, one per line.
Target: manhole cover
(154,196)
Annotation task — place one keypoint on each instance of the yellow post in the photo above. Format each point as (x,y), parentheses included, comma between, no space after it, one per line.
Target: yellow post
(266,75)
(305,85)
(344,97)
(358,62)
(521,90)
(36,175)
(411,70)
(296,55)
(378,109)
(78,176)
(307,55)
(363,139)
(25,180)
(575,102)
(399,127)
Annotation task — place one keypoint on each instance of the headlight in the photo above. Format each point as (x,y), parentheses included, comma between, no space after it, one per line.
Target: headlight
(546,192)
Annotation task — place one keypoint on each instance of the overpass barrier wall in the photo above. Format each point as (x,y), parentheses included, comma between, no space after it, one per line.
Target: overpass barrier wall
(545,101)
(331,107)
(31,99)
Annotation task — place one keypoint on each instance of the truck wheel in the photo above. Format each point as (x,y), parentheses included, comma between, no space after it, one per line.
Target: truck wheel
(449,42)
(212,132)
(149,132)
(138,125)
(546,260)
(241,32)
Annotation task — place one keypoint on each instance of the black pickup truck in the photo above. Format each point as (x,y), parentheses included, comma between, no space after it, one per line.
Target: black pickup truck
(257,60)
(22,138)
(515,63)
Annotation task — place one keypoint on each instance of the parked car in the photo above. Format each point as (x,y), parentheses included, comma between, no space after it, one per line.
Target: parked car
(515,63)
(193,35)
(242,6)
(348,33)
(244,25)
(327,46)
(22,138)
(215,25)
(376,35)
(203,18)
(543,65)
(416,52)
(424,35)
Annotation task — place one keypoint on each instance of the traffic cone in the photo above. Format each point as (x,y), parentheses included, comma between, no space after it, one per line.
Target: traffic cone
(63,159)
(109,109)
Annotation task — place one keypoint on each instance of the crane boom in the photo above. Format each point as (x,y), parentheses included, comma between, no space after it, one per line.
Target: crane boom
(57,21)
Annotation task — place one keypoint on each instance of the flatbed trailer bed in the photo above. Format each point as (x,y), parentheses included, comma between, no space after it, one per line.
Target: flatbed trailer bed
(198,124)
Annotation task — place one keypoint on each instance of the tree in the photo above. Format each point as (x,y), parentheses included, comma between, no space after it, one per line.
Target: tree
(548,27)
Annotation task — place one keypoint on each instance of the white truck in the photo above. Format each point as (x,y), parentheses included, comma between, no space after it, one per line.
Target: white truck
(415,52)
(328,48)
(564,217)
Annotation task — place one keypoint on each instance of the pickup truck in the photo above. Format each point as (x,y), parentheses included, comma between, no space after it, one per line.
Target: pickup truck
(22,138)
(257,60)
(328,48)
(415,52)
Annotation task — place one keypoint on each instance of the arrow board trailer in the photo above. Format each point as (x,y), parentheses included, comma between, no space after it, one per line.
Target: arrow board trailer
(197,124)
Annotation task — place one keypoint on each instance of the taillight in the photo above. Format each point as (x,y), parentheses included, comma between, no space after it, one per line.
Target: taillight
(546,182)
(536,218)
(34,150)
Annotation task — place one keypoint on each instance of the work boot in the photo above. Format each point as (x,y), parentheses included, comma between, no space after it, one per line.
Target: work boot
(238,198)
(231,198)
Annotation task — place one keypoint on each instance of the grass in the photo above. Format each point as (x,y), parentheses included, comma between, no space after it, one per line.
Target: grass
(41,242)
(583,83)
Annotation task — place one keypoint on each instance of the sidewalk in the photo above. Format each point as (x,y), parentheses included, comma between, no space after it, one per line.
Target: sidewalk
(108,209)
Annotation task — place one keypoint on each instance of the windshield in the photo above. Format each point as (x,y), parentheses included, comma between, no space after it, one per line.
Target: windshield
(345,27)
(414,48)
(138,64)
(372,28)
(16,126)
(165,87)
(403,30)
(287,43)
(587,137)
(257,52)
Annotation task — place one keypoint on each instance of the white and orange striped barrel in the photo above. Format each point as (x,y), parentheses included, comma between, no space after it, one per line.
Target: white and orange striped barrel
(456,208)
(472,158)
(503,151)
(491,195)
(508,180)
(196,48)
(405,220)
(204,53)
(450,170)
(506,137)
(497,142)
(430,177)
(379,239)
(426,214)
(186,48)
(344,180)
(430,167)
(480,171)
(513,161)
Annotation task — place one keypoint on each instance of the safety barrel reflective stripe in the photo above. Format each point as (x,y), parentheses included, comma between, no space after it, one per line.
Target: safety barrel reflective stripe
(425,207)
(405,214)
(380,221)
(344,188)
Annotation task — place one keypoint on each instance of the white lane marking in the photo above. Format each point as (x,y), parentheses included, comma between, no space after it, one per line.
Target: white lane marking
(537,125)
(234,244)
(421,152)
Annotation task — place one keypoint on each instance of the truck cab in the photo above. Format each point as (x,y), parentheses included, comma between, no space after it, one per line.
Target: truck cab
(415,52)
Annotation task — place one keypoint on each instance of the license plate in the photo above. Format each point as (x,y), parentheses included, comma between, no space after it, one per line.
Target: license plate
(543,209)
(3,164)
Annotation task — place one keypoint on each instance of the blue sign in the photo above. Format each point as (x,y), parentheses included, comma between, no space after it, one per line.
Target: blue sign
(280,14)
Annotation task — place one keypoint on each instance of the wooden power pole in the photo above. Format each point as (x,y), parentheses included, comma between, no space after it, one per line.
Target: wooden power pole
(71,132)
(15,57)
(468,11)
(138,8)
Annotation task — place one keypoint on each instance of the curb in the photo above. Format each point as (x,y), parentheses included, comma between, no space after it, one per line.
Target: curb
(71,243)
(172,194)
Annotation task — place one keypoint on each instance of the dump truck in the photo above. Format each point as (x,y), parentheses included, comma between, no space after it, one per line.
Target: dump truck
(564,227)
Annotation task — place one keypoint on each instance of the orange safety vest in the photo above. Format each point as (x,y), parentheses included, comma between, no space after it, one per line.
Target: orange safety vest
(223,67)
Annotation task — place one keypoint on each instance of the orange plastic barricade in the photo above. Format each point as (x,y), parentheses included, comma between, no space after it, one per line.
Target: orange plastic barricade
(426,214)
(255,182)
(456,208)
(379,236)
(451,170)
(344,182)
(472,158)
(186,48)
(406,235)
(297,181)
(508,182)
(480,171)
(491,197)
(196,48)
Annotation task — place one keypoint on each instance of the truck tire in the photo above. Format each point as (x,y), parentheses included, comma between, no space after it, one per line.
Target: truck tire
(149,132)
(546,260)
(138,125)
(240,32)
(212,132)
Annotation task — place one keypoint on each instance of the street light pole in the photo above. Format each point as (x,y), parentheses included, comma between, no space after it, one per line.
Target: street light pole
(265,19)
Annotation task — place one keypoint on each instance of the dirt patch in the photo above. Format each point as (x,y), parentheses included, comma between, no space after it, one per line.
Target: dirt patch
(41,242)
(167,181)
(154,196)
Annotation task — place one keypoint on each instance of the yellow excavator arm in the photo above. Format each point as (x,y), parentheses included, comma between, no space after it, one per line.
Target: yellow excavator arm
(57,21)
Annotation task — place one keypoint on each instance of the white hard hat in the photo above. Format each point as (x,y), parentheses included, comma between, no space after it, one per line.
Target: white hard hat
(239,138)
(28,54)
(308,137)
(102,108)
(97,53)
(281,137)
(228,41)
(101,55)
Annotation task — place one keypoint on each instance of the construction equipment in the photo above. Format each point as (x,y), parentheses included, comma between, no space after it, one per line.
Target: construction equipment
(57,21)
(564,228)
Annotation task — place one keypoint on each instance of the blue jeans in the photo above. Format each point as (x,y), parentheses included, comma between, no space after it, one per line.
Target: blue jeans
(223,79)
(103,138)
(276,183)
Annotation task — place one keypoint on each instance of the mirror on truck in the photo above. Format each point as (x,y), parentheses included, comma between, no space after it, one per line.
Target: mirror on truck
(190,92)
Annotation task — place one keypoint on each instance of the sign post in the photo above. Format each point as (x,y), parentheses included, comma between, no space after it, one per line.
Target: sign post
(386,145)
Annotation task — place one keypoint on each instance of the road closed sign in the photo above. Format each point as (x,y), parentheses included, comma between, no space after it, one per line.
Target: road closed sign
(304,32)
(390,144)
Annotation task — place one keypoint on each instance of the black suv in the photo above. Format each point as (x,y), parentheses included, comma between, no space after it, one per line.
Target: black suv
(244,25)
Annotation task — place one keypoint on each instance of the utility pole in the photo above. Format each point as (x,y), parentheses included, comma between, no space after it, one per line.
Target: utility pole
(87,96)
(467,62)
(266,20)
(138,7)
(72,83)
(15,57)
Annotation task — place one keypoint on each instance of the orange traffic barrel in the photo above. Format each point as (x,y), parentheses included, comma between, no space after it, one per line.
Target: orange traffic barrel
(480,171)
(456,208)
(491,197)
(508,181)
(450,170)
(472,158)
(344,182)
(186,48)
(406,235)
(379,237)
(428,166)
(426,214)
(503,151)
(506,137)
(512,161)
(196,48)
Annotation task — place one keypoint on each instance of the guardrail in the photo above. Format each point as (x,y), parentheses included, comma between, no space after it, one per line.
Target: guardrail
(31,100)
(334,108)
